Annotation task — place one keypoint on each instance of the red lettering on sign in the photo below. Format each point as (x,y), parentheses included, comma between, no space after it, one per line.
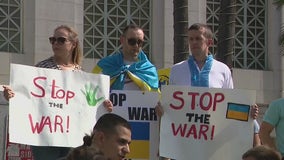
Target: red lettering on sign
(205,101)
(42,94)
(176,96)
(54,124)
(56,91)
(203,131)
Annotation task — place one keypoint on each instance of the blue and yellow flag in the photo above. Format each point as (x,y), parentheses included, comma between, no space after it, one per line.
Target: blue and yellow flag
(140,143)
(238,111)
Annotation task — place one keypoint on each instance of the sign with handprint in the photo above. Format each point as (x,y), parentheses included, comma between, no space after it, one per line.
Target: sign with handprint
(91,93)
(54,107)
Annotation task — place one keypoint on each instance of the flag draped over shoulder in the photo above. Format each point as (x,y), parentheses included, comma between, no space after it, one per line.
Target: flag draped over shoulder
(143,72)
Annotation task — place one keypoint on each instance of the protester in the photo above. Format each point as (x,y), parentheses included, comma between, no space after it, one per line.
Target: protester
(129,68)
(273,119)
(67,56)
(111,137)
(261,153)
(201,69)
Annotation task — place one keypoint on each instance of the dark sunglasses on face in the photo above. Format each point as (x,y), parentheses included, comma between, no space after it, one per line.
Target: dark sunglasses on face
(59,40)
(133,42)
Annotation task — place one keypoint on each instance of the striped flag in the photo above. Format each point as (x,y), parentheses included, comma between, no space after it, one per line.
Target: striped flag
(238,111)
(140,144)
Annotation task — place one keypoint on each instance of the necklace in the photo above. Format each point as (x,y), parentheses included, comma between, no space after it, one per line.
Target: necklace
(66,67)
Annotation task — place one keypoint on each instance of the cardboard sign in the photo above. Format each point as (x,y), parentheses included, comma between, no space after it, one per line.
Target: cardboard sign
(203,123)
(139,109)
(54,107)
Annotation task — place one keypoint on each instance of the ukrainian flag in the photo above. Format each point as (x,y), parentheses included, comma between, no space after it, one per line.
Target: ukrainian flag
(140,144)
(238,111)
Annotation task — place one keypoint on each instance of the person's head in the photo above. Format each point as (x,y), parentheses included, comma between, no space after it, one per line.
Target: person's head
(131,41)
(261,153)
(111,136)
(85,153)
(200,38)
(65,44)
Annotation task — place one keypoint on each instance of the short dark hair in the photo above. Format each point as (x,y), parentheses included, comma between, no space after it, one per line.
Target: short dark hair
(130,26)
(262,153)
(198,26)
(108,122)
(85,153)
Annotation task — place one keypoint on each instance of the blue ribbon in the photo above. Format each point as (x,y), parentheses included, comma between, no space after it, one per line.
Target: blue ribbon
(200,78)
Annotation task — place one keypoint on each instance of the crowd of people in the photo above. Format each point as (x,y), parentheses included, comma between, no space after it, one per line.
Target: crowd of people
(130,69)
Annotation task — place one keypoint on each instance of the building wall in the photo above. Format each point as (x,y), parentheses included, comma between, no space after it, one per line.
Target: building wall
(41,17)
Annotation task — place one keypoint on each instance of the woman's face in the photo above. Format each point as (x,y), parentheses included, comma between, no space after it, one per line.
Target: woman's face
(62,45)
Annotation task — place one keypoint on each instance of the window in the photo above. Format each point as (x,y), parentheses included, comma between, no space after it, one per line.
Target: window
(104,21)
(10,26)
(250,38)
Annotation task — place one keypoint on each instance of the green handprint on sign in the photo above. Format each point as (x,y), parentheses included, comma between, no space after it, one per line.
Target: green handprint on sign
(91,94)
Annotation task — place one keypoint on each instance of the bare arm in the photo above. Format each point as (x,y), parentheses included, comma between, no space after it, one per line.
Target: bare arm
(256,140)
(264,133)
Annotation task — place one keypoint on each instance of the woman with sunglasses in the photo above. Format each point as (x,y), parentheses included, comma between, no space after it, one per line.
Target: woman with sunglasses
(67,55)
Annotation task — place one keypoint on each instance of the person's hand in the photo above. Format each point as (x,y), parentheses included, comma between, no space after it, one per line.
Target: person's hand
(108,105)
(254,111)
(8,92)
(159,109)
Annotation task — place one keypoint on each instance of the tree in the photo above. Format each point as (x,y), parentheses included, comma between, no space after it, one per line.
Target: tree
(226,32)
(180,30)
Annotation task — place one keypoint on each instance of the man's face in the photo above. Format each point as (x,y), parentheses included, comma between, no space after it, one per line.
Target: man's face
(132,43)
(115,146)
(198,43)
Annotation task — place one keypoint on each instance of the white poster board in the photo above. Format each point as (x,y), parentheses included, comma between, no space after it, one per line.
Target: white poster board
(139,109)
(54,107)
(205,124)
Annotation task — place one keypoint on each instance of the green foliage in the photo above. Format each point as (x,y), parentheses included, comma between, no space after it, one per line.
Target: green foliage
(91,94)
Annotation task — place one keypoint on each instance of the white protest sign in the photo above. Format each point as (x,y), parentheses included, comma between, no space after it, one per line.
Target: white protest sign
(206,124)
(54,107)
(139,109)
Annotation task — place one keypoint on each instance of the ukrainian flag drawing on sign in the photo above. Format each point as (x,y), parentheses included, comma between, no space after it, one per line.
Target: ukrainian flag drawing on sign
(238,111)
(140,140)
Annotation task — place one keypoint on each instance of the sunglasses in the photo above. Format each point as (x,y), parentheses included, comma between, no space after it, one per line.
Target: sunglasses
(133,42)
(59,40)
